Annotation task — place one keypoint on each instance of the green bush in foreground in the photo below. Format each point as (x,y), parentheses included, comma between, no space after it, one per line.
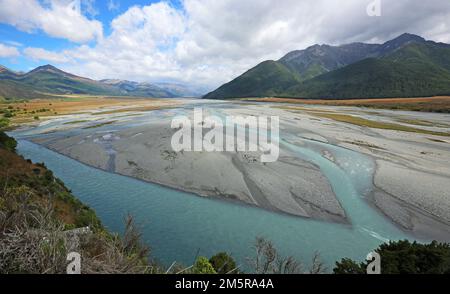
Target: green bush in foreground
(7,142)
(203,266)
(404,257)
(224,263)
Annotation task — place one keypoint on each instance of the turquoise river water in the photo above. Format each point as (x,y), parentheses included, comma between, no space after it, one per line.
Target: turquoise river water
(178,226)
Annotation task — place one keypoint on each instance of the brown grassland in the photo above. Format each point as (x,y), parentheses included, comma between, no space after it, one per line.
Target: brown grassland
(425,104)
(29,110)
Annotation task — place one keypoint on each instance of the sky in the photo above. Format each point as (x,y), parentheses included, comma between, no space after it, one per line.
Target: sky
(203,43)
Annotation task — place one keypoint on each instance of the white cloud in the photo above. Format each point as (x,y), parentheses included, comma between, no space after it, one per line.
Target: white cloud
(13,43)
(209,42)
(60,18)
(8,51)
(39,54)
(113,5)
(89,7)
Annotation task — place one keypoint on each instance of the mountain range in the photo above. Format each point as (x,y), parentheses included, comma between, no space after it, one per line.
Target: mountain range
(407,66)
(45,81)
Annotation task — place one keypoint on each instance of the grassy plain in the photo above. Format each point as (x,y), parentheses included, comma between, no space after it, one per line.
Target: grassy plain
(26,111)
(426,104)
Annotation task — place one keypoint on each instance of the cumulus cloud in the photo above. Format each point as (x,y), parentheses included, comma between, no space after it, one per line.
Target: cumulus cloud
(209,42)
(60,18)
(8,51)
(39,54)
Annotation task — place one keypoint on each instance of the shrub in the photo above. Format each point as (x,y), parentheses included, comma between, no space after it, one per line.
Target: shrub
(203,266)
(223,263)
(404,257)
(7,142)
(8,114)
(4,122)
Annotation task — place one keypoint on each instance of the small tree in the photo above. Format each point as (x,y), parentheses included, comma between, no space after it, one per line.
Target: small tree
(223,263)
(203,266)
(348,266)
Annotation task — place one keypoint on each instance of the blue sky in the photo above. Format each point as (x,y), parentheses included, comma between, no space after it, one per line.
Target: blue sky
(199,42)
(13,36)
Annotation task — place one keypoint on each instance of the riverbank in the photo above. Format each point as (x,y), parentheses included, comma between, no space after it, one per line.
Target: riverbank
(41,222)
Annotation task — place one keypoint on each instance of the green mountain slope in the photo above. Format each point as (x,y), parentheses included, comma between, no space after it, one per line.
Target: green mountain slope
(49,79)
(415,70)
(46,80)
(271,78)
(266,79)
(406,66)
(320,59)
(11,89)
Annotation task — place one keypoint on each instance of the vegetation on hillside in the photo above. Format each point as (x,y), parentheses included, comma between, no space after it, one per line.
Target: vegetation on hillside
(404,257)
(411,72)
(407,66)
(266,79)
(41,222)
(49,82)
(223,263)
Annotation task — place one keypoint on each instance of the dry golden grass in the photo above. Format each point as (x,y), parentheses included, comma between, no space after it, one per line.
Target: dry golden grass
(431,104)
(374,124)
(14,168)
(27,111)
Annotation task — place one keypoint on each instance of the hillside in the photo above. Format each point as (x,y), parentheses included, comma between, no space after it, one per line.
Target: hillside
(417,70)
(41,222)
(266,79)
(320,59)
(48,81)
(10,89)
(406,66)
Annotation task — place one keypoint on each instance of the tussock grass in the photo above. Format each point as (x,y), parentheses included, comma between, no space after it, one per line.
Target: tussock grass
(100,125)
(374,124)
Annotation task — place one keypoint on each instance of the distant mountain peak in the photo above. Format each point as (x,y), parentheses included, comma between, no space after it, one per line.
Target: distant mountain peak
(47,79)
(409,37)
(402,40)
(3,69)
(47,67)
(117,82)
(325,71)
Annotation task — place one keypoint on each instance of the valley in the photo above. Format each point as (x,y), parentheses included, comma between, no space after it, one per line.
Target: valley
(400,175)
(194,137)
